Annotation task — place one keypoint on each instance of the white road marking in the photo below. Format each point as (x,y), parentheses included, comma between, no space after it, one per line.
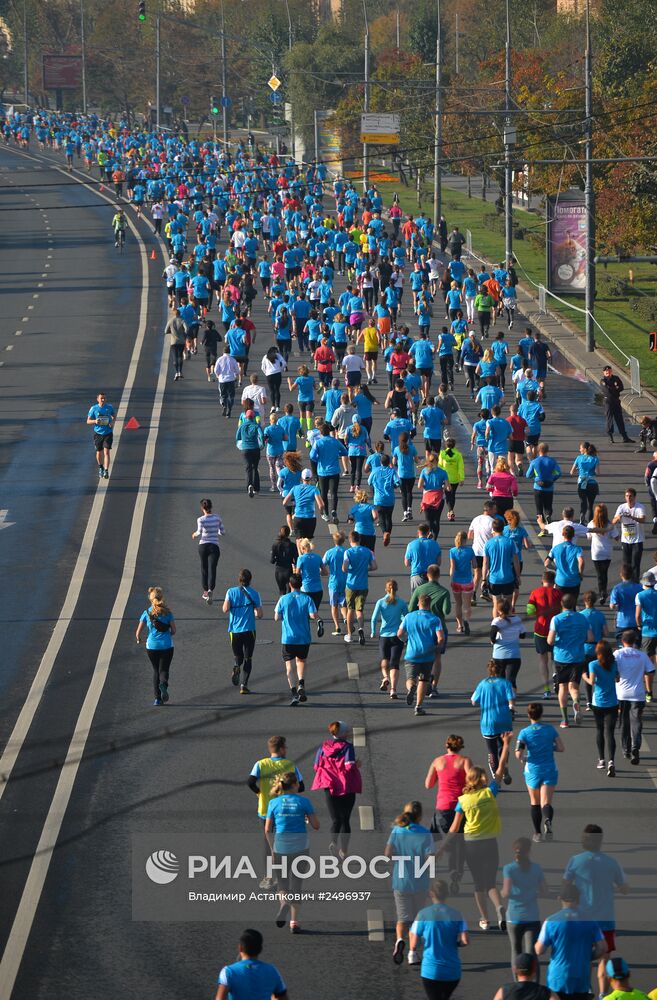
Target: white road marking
(23,920)
(353,673)
(19,333)
(36,295)
(366,817)
(360,737)
(4,523)
(9,347)
(375,925)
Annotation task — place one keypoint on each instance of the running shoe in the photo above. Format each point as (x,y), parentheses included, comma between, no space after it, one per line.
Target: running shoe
(209,597)
(295,928)
(501,919)
(281,916)
(506,777)
(611,769)
(205,596)
(547,830)
(347,638)
(235,676)
(105,474)
(251,492)
(466,628)
(361,637)
(302,693)
(294,700)
(635,759)
(324,517)
(386,539)
(483,924)
(157,702)
(648,697)
(588,707)
(433,693)
(601,765)
(536,837)
(564,725)
(419,710)
(546,695)
(320,628)
(398,951)
(413,958)
(336,631)
(334,517)
(244,689)
(164,692)
(577,714)
(410,695)
(100,472)
(394,696)
(385,684)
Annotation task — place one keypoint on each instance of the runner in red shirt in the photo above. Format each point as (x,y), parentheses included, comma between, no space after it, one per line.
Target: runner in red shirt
(399,360)
(324,359)
(517,439)
(544,602)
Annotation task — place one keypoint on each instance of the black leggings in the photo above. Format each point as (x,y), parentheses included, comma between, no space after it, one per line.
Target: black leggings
(161,664)
(178,353)
(242,645)
(407,492)
(439,989)
(329,484)
(356,462)
(587,495)
(494,747)
(274,383)
(605,723)
(283,574)
(209,553)
(470,376)
(340,808)
(510,668)
(543,501)
(433,515)
(385,518)
(251,462)
(451,496)
(602,572)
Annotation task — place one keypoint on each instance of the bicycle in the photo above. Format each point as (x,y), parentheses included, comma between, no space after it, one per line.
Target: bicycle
(119,239)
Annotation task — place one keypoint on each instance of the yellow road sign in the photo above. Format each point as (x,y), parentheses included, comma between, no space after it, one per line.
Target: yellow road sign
(274,83)
(381,139)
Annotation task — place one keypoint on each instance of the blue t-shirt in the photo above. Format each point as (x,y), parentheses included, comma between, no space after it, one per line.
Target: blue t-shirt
(293,610)
(538,741)
(647,601)
(447,345)
(479,429)
(462,559)
(420,627)
(422,553)
(493,696)
(434,418)
(304,499)
(251,979)
(326,452)
(362,514)
(571,939)
(500,552)
(289,814)
(597,876)
(487,397)
(566,556)
(103,413)
(587,466)
(405,461)
(383,480)
(409,842)
(440,927)
(391,614)
(522,905)
(571,629)
(499,432)
(292,427)
(604,687)
(623,596)
(422,351)
(310,566)
(333,559)
(157,639)
(306,386)
(544,471)
(597,621)
(358,559)
(243,602)
(274,435)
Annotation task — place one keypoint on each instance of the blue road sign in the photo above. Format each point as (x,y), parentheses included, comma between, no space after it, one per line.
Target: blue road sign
(276,98)
(226,102)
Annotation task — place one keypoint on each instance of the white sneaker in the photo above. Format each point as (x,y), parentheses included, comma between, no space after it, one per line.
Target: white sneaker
(413,958)
(348,638)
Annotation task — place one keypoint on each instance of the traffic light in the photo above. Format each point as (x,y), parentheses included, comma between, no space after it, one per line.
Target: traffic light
(142,10)
(214,107)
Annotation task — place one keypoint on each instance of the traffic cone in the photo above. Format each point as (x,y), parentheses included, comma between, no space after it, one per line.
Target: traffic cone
(132,424)
(153,255)
(102,187)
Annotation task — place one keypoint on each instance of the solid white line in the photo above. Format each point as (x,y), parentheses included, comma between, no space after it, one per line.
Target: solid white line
(375,925)
(27,908)
(353,673)
(33,700)
(366,817)
(360,737)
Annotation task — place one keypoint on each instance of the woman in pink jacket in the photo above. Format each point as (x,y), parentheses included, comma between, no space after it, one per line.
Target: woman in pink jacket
(338,772)
(502,486)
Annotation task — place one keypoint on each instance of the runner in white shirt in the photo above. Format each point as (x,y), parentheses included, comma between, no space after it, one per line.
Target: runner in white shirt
(256,394)
(479,532)
(434,264)
(353,367)
(168,274)
(555,528)
(631,516)
(227,371)
(238,240)
(635,669)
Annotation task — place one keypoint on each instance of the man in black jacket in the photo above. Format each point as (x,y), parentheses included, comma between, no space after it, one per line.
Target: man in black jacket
(612,386)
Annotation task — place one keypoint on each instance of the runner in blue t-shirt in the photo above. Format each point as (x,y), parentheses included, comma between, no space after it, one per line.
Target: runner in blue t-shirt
(249,978)
(243,605)
(568,635)
(101,417)
(536,745)
(294,611)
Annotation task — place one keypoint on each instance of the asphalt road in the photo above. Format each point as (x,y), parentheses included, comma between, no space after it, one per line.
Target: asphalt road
(66,924)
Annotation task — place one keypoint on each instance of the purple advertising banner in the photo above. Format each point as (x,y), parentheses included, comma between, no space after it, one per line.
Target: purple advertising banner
(566,243)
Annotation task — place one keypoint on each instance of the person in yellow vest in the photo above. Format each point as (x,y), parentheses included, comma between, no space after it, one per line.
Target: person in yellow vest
(451,460)
(370,337)
(477,812)
(263,774)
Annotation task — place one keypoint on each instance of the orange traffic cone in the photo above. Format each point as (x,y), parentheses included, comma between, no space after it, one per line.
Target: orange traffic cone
(102,187)
(153,255)
(132,424)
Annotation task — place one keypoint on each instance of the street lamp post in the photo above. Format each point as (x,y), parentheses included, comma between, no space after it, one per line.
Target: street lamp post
(84,60)
(289,46)
(26,78)
(224,109)
(157,69)
(589,193)
(366,96)
(509,142)
(438,144)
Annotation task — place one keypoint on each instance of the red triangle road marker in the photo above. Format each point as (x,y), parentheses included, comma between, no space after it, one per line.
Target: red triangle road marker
(132,424)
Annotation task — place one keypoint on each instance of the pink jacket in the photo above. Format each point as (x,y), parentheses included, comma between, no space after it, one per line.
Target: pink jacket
(502,484)
(336,768)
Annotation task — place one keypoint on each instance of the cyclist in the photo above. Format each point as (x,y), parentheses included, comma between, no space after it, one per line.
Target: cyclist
(119,225)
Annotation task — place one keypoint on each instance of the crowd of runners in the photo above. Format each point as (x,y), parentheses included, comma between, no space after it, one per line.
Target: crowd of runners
(360,295)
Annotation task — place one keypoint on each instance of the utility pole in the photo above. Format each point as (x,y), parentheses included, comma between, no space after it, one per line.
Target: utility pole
(366,100)
(157,69)
(289,47)
(509,143)
(456,45)
(589,193)
(224,109)
(438,143)
(84,60)
(26,79)
(316,137)
(398,31)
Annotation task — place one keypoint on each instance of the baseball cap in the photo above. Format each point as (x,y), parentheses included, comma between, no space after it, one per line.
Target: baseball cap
(524,962)
(607,368)
(306,474)
(249,414)
(617,968)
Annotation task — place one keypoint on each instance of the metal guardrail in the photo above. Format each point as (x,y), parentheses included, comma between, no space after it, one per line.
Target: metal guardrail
(635,375)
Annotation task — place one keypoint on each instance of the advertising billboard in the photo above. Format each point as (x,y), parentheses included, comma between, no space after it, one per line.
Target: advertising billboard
(566,243)
(380,129)
(62,72)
